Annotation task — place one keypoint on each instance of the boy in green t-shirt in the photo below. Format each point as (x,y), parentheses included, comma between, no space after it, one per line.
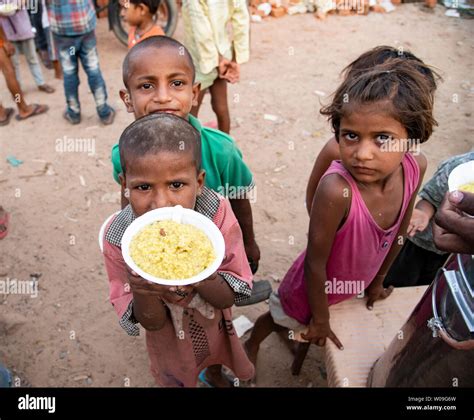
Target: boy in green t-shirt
(158,74)
(162,80)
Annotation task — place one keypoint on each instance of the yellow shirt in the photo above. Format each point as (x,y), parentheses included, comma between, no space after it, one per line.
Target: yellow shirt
(206,35)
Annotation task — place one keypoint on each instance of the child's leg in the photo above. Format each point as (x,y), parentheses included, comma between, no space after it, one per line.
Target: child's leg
(58,73)
(13,86)
(90,62)
(29,50)
(289,343)
(219,104)
(263,327)
(52,52)
(37,23)
(195,109)
(67,50)
(5,116)
(15,60)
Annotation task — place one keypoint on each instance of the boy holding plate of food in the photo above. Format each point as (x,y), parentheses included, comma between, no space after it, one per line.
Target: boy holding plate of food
(188,328)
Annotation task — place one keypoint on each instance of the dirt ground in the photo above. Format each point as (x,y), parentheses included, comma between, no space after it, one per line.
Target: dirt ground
(69,335)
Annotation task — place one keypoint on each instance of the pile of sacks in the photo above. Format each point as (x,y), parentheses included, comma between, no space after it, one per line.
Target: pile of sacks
(260,9)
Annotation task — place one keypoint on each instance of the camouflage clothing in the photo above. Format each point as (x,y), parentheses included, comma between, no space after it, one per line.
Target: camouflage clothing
(433,192)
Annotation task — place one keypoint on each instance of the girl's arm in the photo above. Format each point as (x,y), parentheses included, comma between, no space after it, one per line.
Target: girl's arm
(328,153)
(376,291)
(420,219)
(426,207)
(331,202)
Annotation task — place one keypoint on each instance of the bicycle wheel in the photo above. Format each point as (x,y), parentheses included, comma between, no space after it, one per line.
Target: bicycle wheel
(166,17)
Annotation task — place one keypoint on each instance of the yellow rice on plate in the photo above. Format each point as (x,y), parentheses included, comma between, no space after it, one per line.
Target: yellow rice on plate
(467,187)
(171,250)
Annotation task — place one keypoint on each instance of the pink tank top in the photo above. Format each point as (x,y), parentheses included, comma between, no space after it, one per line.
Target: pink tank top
(358,250)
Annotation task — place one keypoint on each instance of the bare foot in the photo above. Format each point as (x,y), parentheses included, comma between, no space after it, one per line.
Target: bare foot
(5,116)
(46,88)
(216,378)
(31,111)
(320,15)
(45,59)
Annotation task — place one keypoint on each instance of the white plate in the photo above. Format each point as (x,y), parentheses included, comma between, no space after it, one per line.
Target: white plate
(180,215)
(460,175)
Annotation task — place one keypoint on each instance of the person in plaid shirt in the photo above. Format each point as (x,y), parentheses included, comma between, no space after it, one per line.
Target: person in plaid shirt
(73,24)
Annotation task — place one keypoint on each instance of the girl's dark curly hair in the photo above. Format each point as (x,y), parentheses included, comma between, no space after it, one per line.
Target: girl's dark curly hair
(407,91)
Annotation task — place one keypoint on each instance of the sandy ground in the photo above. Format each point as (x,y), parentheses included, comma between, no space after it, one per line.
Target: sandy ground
(69,334)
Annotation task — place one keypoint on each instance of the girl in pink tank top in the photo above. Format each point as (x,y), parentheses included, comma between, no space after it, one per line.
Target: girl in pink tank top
(363,202)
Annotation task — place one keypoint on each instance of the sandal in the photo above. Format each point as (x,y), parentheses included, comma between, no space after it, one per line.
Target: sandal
(72,120)
(109,119)
(46,88)
(37,110)
(203,379)
(4,222)
(9,113)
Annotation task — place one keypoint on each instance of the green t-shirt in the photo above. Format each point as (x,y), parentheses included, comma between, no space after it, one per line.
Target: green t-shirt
(226,172)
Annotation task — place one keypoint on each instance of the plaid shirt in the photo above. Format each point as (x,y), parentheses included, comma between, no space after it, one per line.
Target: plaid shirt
(72,17)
